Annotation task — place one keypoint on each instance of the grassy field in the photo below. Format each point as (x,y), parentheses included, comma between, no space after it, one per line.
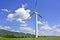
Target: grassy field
(41,38)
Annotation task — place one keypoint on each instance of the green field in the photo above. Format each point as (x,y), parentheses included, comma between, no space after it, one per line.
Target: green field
(41,38)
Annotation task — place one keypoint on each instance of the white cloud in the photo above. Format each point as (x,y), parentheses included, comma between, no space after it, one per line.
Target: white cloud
(15,30)
(19,15)
(22,13)
(39,22)
(8,28)
(55,27)
(47,30)
(10,17)
(24,25)
(5,27)
(24,5)
(5,10)
(20,20)
(47,33)
(27,30)
(45,27)
(58,30)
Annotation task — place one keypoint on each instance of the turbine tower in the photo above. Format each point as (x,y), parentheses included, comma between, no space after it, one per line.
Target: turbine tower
(36,19)
(36,23)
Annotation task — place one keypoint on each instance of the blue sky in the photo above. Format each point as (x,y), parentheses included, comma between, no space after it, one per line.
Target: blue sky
(49,9)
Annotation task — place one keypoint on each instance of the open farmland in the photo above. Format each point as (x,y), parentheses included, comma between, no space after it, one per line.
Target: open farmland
(41,38)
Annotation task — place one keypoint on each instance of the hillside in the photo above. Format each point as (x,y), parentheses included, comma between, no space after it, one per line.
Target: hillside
(10,34)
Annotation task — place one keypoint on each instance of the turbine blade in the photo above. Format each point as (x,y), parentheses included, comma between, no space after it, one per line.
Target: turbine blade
(32,14)
(40,16)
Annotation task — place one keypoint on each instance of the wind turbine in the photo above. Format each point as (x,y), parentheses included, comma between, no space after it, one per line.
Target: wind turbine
(36,19)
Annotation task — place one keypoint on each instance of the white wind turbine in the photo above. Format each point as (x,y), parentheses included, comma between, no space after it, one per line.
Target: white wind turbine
(36,19)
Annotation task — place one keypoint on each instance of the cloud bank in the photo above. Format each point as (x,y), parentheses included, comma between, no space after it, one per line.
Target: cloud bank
(44,30)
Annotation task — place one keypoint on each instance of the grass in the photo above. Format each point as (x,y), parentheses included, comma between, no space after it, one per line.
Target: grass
(41,38)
